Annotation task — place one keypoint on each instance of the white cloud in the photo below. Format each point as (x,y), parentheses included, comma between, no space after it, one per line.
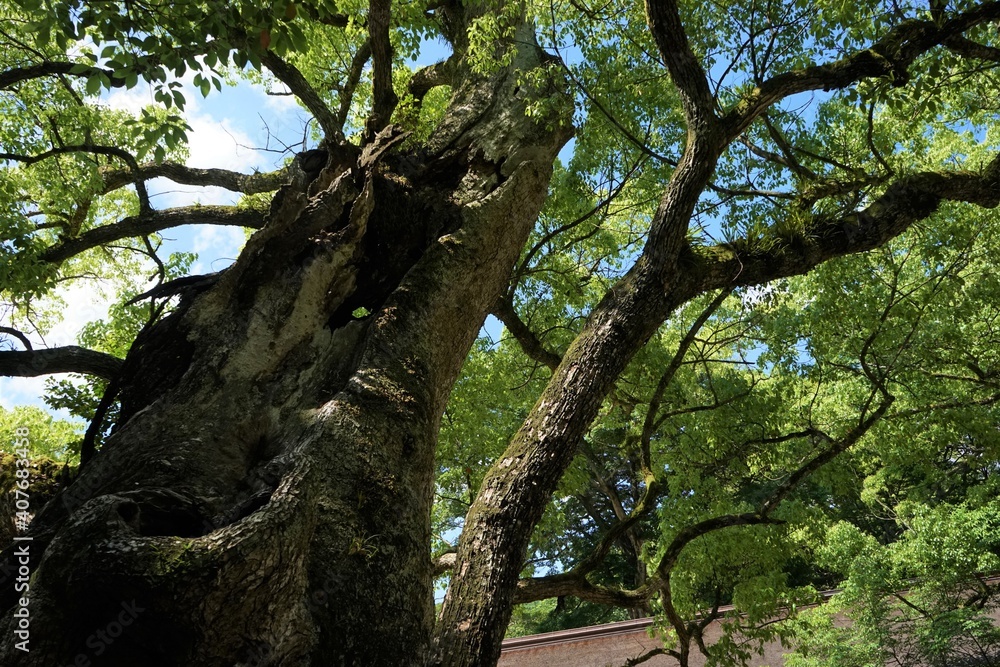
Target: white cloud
(84,302)
(132,101)
(219,143)
(216,246)
(280,104)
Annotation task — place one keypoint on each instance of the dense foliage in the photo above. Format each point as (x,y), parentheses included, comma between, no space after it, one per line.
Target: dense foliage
(773,439)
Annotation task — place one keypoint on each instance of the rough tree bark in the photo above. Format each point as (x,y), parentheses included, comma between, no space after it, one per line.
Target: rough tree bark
(265,496)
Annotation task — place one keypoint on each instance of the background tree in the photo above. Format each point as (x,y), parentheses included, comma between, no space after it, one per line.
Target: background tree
(266,492)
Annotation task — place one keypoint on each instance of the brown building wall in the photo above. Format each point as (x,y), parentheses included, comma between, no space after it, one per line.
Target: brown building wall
(611,645)
(608,645)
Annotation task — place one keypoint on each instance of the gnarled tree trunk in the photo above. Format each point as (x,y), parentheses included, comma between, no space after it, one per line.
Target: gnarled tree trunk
(265,497)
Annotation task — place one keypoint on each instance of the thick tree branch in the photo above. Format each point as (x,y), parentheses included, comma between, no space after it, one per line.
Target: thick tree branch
(969,49)
(384,98)
(685,68)
(520,482)
(289,75)
(347,89)
(154,221)
(890,56)
(443,563)
(910,199)
(69,359)
(438,74)
(178,173)
(16,75)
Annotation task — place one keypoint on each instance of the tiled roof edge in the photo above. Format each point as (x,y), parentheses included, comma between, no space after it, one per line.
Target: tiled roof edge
(576,634)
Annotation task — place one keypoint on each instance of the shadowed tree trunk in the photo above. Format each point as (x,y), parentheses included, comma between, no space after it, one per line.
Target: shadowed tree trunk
(265,496)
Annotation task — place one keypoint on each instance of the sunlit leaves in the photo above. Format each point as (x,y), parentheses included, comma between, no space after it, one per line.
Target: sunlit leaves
(49,437)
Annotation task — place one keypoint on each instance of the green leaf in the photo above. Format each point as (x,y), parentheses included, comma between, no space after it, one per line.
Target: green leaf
(93,86)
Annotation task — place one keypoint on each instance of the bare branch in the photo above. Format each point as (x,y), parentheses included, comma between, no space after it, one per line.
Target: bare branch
(178,173)
(18,335)
(154,221)
(69,359)
(690,533)
(910,199)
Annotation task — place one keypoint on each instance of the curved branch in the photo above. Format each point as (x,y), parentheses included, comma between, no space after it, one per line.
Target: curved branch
(438,74)
(110,151)
(178,173)
(154,221)
(693,532)
(818,461)
(504,311)
(18,335)
(69,359)
(289,75)
(576,585)
(910,199)
(890,56)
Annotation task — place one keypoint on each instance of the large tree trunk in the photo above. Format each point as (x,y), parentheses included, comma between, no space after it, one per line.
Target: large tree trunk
(265,497)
